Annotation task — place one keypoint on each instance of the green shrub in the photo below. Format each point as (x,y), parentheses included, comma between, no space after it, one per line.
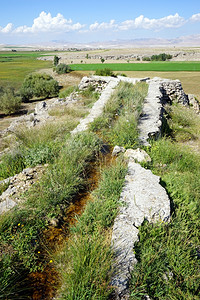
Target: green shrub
(161,57)
(62,69)
(39,85)
(9,101)
(146,58)
(105,72)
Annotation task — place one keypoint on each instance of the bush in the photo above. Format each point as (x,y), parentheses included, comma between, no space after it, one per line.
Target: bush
(39,85)
(62,69)
(146,58)
(105,72)
(161,57)
(9,101)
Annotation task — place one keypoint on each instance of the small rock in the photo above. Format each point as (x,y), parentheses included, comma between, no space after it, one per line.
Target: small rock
(117,150)
(194,103)
(138,155)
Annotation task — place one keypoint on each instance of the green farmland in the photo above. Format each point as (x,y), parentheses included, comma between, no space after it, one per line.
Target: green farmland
(151,66)
(15,66)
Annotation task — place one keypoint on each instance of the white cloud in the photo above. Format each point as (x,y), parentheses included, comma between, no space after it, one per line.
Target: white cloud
(103,26)
(46,23)
(7,28)
(195,18)
(141,22)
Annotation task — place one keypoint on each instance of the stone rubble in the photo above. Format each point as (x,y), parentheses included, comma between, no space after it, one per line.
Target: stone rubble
(194,103)
(17,185)
(41,113)
(160,92)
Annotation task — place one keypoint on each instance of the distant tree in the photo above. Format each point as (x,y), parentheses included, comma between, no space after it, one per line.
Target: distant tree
(87,56)
(161,57)
(146,58)
(39,85)
(102,60)
(56,60)
(9,101)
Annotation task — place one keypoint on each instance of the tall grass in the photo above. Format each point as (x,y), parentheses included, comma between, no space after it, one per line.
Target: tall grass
(168,254)
(21,228)
(86,259)
(119,120)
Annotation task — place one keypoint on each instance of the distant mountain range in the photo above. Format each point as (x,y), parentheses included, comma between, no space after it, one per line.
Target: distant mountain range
(184,41)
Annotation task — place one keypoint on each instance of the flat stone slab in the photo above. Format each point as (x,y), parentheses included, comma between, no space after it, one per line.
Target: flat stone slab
(144,198)
(150,121)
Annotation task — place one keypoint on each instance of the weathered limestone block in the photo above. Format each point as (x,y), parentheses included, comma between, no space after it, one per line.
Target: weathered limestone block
(139,155)
(144,198)
(150,121)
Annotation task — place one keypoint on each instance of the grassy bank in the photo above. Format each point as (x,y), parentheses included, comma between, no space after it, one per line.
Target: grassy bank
(21,229)
(150,66)
(86,258)
(168,254)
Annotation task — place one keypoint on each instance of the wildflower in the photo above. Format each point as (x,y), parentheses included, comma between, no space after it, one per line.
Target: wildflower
(18,224)
(51,261)
(38,251)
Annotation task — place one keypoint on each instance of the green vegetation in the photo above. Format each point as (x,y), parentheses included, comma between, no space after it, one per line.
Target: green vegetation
(20,234)
(66,92)
(56,60)
(104,72)
(151,66)
(9,101)
(62,69)
(39,85)
(86,259)
(119,120)
(15,66)
(168,254)
(3,187)
(159,57)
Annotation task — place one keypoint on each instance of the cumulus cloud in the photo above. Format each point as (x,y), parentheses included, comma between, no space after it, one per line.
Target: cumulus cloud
(141,22)
(46,23)
(8,28)
(195,18)
(103,26)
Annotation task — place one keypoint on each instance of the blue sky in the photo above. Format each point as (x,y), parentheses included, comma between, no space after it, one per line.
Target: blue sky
(36,21)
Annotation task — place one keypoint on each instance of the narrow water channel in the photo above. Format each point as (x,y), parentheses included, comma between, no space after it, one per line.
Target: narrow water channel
(44,284)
